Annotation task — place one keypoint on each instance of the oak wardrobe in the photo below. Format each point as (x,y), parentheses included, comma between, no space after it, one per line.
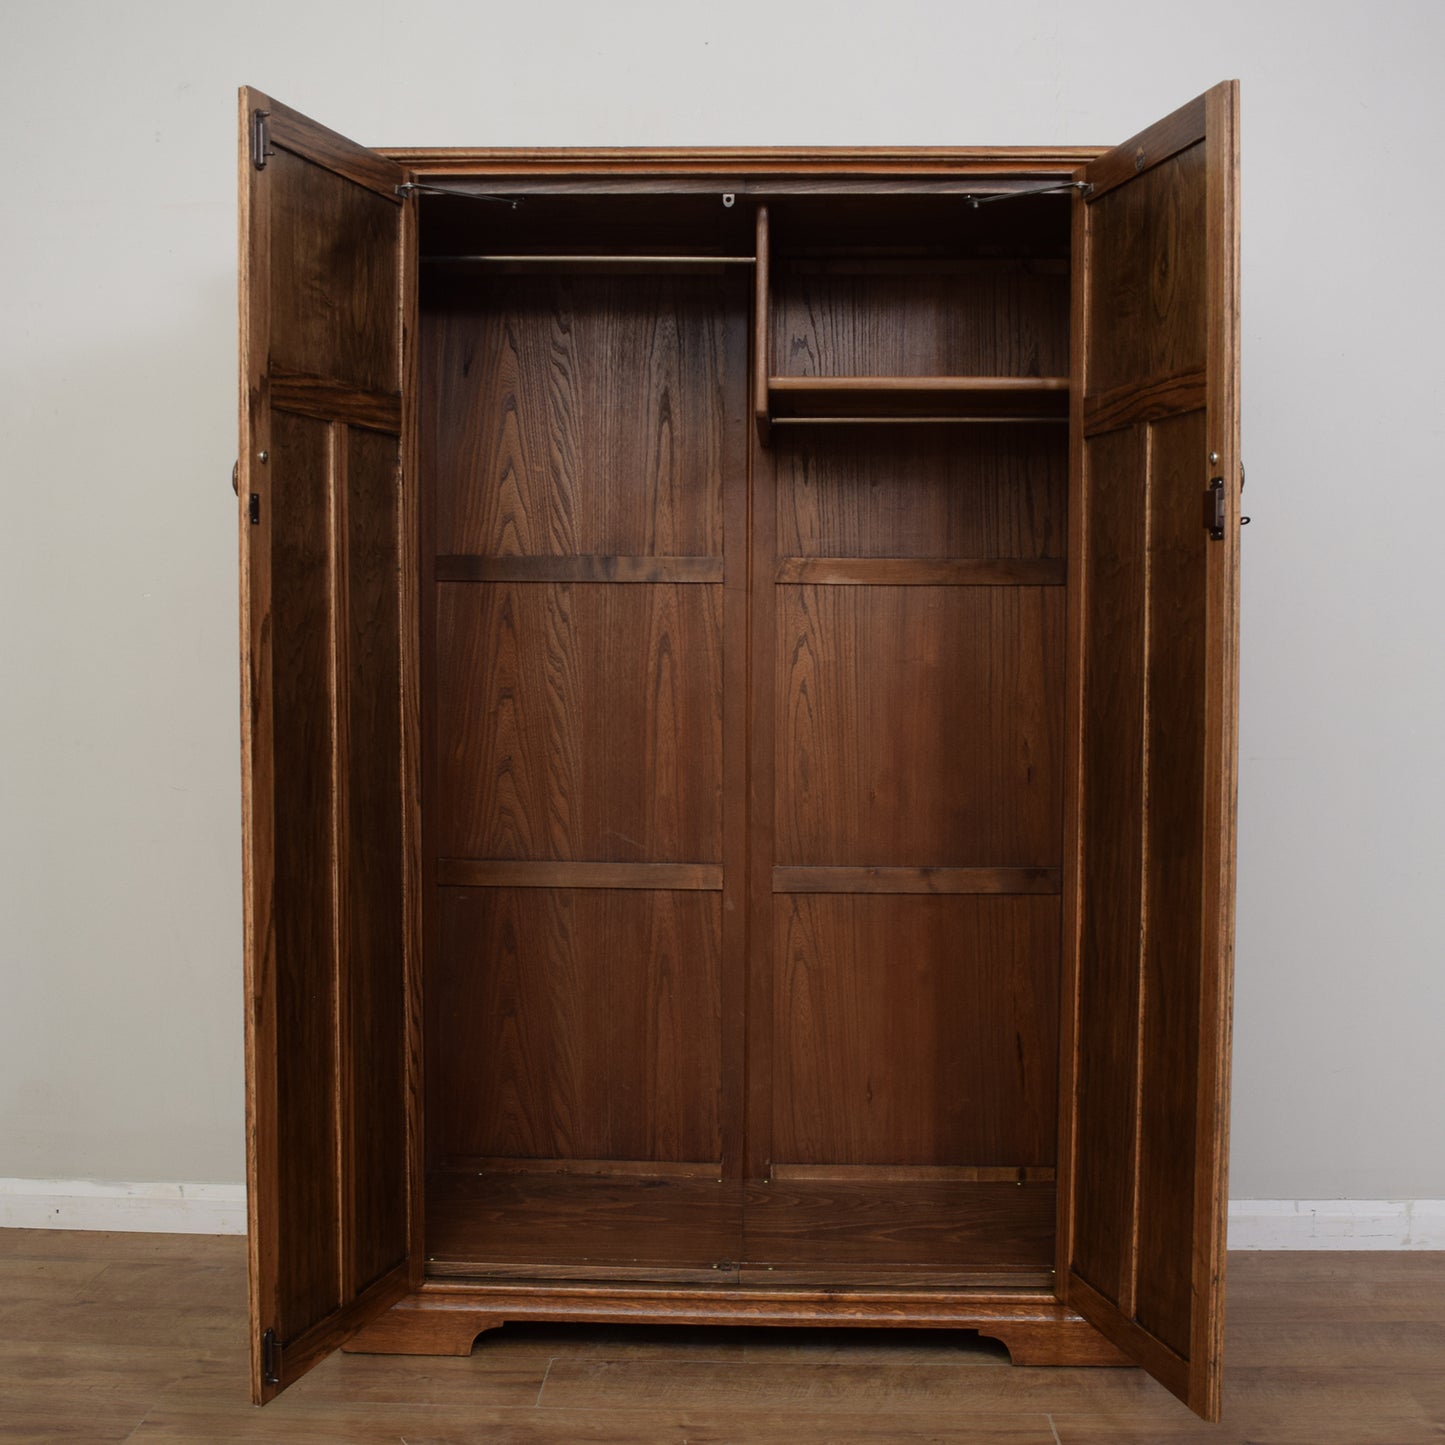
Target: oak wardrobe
(739,655)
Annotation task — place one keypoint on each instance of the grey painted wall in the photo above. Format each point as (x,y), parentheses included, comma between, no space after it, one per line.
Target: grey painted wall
(120,965)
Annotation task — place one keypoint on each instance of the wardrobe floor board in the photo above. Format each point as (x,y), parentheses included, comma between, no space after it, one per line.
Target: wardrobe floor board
(827,1233)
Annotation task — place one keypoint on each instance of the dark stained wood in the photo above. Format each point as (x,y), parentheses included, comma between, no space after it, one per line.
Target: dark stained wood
(321,397)
(587,415)
(1106,1088)
(917,398)
(939,324)
(1151,147)
(762,326)
(1160,645)
(950,494)
(326,1107)
(289,130)
(579,569)
(915,1030)
(919,1173)
(915,880)
(580,722)
(330,238)
(891,750)
(762,686)
(1129,404)
(686,848)
(556,1225)
(372,922)
(495,873)
(306,1043)
(1173,901)
(581,1024)
(856,1232)
(414,512)
(923,572)
(1147,277)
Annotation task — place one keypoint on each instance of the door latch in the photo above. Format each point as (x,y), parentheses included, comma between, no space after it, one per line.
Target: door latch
(1214,508)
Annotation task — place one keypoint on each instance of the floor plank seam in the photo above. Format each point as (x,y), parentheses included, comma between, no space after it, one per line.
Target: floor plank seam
(1053,1430)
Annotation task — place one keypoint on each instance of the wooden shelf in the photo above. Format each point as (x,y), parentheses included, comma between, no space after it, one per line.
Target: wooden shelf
(918,398)
(864,1231)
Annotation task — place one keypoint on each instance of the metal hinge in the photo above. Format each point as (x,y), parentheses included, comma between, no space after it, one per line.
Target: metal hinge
(270,1358)
(260,139)
(253,509)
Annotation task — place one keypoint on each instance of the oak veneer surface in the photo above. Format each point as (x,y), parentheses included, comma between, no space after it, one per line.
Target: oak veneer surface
(142,1338)
(824,1232)
(1000,321)
(915,1030)
(919,725)
(577,1023)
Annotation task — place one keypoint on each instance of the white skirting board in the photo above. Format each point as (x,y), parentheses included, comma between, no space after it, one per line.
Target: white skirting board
(93,1204)
(221,1209)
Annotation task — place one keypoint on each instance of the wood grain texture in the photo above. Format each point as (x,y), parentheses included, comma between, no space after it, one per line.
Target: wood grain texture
(580,1024)
(1148,1269)
(1153,146)
(923,571)
(110,1337)
(895,746)
(334,277)
(797,879)
(494,873)
(580,722)
(1147,275)
(579,569)
(589,415)
(329,400)
(555,1225)
(318,145)
(1106,1101)
(372,923)
(309,1197)
(915,1030)
(321,312)
(1006,322)
(1131,403)
(921,398)
(1173,903)
(973,493)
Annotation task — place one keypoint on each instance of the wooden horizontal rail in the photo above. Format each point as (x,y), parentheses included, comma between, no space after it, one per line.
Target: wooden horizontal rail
(578,569)
(796,879)
(923,571)
(522,259)
(1012,398)
(1127,405)
(507,873)
(624,1168)
(918,1173)
(329,400)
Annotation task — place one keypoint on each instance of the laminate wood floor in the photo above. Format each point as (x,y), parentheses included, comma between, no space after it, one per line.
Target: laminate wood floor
(139,1337)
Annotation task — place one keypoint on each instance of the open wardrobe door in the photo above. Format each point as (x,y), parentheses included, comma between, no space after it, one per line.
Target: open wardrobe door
(327,768)
(1150,897)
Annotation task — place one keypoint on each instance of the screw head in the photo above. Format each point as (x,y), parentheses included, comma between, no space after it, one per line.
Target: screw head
(263,456)
(1214,459)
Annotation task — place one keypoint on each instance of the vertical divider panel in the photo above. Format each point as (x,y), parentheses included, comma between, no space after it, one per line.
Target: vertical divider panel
(761,633)
(415,566)
(763,324)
